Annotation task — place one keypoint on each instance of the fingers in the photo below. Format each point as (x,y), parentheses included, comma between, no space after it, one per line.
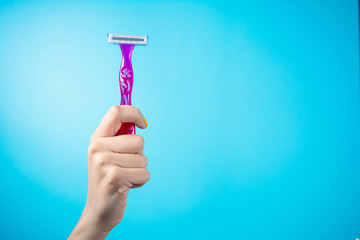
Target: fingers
(128,177)
(121,160)
(118,144)
(111,122)
(137,176)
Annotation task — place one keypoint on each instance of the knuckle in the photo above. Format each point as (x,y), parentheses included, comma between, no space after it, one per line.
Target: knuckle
(123,189)
(92,139)
(113,176)
(91,150)
(120,110)
(101,160)
(94,146)
(114,110)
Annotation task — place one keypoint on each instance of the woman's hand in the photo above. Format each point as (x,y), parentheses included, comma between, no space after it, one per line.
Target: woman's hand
(116,164)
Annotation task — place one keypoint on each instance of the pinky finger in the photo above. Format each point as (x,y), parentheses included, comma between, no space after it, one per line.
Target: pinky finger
(137,176)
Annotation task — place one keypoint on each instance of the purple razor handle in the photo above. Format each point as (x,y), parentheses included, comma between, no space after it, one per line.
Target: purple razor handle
(126,76)
(126,79)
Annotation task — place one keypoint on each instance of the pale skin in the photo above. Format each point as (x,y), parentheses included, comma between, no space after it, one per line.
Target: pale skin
(116,164)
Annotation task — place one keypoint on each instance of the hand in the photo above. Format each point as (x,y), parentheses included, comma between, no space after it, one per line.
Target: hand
(116,164)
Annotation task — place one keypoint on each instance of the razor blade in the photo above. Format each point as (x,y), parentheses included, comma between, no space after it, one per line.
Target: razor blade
(123,39)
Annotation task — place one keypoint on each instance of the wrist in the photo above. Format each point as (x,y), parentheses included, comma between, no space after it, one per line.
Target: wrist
(88,229)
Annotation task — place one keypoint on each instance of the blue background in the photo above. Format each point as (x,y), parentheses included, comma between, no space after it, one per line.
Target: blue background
(253,112)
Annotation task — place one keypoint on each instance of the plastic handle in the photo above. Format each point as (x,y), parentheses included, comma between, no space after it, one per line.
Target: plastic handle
(126,79)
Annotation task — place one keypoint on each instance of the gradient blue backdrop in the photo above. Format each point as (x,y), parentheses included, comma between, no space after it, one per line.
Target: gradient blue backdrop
(253,111)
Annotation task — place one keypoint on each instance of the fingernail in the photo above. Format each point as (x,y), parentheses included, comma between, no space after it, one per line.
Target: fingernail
(146,124)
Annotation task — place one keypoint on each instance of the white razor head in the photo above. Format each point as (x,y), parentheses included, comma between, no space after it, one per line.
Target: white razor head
(122,39)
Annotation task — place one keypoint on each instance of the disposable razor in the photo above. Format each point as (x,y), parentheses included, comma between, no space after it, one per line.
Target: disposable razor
(126,75)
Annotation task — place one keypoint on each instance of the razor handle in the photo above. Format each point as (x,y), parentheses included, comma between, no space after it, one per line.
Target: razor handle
(126,79)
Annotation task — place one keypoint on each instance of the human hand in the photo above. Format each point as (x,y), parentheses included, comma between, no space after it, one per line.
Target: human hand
(116,164)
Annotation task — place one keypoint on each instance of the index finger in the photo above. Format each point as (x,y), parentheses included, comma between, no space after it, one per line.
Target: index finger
(112,120)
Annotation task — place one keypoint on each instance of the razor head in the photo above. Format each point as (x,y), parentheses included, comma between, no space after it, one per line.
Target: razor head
(123,39)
